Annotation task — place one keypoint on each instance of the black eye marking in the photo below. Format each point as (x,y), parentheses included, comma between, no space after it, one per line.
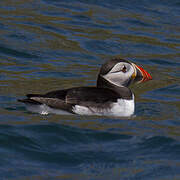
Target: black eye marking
(124,69)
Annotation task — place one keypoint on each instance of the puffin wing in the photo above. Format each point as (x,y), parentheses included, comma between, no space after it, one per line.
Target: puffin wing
(91,96)
(54,99)
(65,99)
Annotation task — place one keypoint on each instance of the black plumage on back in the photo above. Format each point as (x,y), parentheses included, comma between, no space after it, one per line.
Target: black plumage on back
(79,95)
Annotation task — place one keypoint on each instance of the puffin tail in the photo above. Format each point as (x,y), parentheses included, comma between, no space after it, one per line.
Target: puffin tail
(28,100)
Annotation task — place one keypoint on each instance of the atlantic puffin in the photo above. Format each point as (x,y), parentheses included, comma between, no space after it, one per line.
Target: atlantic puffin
(110,97)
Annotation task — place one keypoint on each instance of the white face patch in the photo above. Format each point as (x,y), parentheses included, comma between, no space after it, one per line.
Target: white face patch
(118,76)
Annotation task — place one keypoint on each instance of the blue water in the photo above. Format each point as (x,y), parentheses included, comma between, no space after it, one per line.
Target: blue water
(47,45)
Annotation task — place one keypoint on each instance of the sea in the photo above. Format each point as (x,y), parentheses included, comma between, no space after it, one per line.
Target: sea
(48,45)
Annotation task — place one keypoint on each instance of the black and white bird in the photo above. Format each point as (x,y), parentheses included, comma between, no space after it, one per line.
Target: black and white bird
(110,97)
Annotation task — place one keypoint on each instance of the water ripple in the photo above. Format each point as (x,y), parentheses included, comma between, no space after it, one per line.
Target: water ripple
(47,45)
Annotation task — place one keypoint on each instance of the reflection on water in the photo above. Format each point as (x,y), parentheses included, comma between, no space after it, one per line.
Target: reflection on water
(47,45)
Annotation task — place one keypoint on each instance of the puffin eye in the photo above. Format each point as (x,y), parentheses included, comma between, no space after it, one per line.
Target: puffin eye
(124,69)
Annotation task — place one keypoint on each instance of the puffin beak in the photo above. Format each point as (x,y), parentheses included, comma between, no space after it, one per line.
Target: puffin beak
(140,75)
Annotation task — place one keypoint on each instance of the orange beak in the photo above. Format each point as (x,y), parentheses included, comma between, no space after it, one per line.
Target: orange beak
(141,75)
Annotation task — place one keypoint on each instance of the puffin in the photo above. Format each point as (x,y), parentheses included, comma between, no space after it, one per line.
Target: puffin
(110,97)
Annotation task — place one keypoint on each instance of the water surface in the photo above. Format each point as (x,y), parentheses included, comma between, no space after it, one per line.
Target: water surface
(47,45)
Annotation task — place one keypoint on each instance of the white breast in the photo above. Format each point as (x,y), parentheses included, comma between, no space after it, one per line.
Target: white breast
(122,108)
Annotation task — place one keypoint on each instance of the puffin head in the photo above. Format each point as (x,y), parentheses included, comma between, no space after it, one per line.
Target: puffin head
(121,72)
